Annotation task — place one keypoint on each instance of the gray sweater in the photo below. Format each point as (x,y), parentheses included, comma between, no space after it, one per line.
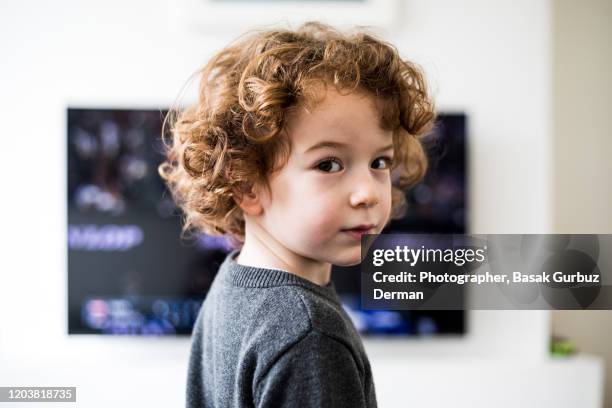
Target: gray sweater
(269,338)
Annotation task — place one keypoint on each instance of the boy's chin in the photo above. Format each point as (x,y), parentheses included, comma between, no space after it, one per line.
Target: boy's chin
(351,260)
(346,264)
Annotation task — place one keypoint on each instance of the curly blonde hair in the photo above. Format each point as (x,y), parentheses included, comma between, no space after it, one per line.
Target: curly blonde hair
(235,135)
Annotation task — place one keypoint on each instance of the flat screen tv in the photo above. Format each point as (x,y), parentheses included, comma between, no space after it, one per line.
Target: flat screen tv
(130,273)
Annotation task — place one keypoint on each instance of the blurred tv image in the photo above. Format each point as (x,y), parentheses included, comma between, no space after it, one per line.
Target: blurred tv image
(130,273)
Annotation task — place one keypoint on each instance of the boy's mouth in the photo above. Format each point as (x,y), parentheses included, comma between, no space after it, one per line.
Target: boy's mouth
(360,230)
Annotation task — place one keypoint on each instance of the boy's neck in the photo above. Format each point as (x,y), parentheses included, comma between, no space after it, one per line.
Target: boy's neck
(272,255)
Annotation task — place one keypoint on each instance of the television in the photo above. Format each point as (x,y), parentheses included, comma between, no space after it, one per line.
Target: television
(130,273)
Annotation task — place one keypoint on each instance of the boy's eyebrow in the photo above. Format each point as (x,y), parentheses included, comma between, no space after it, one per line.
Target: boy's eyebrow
(388,147)
(326,143)
(340,145)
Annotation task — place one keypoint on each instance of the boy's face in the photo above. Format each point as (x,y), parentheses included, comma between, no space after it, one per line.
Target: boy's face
(324,190)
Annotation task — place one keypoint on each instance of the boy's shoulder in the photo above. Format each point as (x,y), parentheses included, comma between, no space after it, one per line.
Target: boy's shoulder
(265,314)
(324,315)
(287,315)
(297,311)
(269,302)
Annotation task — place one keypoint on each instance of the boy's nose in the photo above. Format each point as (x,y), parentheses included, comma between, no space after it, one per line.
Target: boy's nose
(364,192)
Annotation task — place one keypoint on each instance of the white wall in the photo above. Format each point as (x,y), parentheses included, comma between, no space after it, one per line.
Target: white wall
(582,107)
(582,125)
(491,59)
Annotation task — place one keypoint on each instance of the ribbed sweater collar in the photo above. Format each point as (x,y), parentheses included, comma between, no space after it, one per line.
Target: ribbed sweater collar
(256,277)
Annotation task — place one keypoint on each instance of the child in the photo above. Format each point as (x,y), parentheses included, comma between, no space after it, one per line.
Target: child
(290,152)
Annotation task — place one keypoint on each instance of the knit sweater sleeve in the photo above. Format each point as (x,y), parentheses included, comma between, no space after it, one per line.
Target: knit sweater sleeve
(316,371)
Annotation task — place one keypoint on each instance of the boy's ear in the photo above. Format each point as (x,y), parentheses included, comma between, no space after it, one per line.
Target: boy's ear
(249,200)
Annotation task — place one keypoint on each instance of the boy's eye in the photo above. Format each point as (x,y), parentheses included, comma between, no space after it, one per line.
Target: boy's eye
(332,164)
(327,165)
(386,160)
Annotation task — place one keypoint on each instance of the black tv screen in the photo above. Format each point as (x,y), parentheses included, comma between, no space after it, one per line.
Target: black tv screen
(130,273)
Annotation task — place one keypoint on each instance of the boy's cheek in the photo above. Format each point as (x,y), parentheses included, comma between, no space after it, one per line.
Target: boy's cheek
(328,224)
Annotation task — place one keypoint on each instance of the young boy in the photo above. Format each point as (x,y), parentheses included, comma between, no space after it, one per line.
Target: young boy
(290,152)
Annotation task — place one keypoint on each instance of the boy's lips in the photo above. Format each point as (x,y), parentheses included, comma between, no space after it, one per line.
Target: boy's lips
(357,232)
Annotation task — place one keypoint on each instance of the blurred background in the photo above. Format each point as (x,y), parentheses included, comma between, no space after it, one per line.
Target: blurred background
(525,96)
